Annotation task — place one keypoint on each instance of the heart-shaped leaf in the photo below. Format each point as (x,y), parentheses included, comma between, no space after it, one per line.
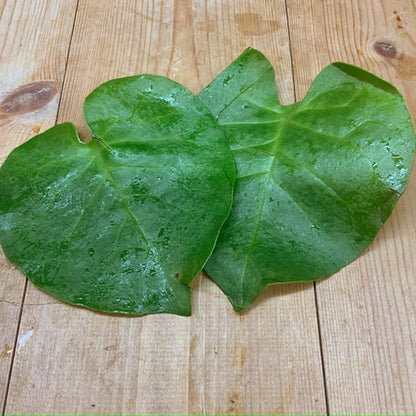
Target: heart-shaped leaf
(124,222)
(315,180)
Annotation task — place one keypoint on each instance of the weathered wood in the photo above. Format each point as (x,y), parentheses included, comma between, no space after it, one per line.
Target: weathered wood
(368,310)
(266,360)
(34,41)
(263,361)
(11,292)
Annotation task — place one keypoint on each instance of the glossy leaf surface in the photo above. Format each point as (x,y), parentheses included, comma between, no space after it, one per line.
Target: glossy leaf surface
(124,222)
(316,180)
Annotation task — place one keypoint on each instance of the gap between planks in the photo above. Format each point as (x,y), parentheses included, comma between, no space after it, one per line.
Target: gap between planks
(19,320)
(315,293)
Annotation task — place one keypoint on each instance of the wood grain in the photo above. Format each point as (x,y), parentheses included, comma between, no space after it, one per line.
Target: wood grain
(368,310)
(264,361)
(11,291)
(268,359)
(32,64)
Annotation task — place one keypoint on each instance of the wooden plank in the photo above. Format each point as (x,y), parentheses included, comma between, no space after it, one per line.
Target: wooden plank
(32,64)
(263,361)
(11,291)
(368,310)
(266,360)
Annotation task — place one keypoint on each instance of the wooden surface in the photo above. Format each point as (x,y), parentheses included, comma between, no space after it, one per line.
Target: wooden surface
(343,346)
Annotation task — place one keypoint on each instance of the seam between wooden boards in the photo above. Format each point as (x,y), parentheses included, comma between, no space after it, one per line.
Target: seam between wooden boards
(318,321)
(66,62)
(16,335)
(315,294)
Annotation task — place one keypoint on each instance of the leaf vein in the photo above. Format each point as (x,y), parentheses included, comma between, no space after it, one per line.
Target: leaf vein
(253,175)
(249,123)
(322,134)
(242,92)
(126,205)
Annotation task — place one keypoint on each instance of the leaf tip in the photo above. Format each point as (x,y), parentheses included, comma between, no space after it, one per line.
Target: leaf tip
(239,308)
(240,305)
(366,77)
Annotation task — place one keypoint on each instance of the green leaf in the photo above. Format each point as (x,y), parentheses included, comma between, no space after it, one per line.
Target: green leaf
(124,222)
(316,180)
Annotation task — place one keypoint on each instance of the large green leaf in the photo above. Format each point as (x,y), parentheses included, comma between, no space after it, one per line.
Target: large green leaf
(125,222)
(315,180)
